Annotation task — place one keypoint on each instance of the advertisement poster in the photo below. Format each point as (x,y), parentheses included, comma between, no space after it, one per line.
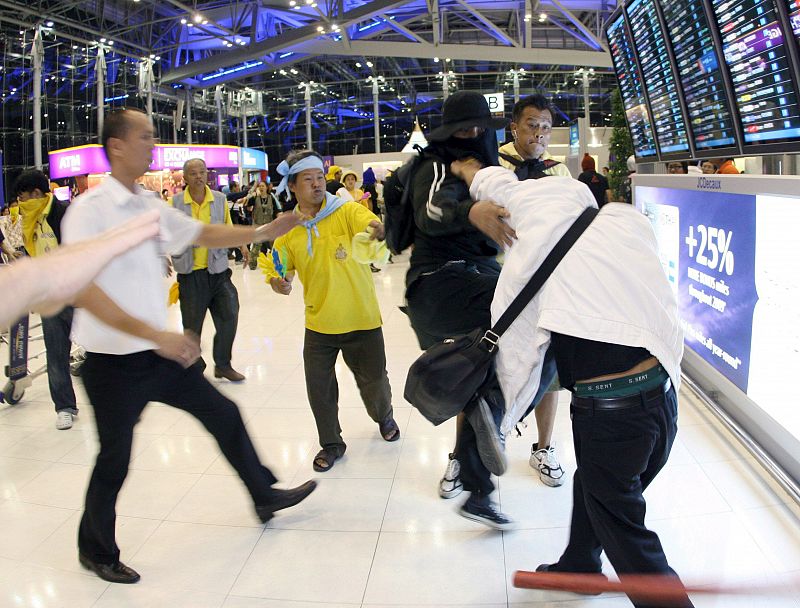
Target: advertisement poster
(707,248)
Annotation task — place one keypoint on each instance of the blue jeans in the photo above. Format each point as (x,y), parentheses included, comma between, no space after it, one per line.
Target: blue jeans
(56,332)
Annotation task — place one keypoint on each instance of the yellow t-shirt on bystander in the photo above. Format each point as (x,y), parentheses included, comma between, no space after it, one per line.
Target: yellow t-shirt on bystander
(339,292)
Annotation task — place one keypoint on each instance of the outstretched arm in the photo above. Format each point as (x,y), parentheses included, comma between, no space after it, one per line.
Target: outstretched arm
(48,283)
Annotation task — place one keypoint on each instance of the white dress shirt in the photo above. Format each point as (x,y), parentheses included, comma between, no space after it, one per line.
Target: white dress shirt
(134,279)
(610,287)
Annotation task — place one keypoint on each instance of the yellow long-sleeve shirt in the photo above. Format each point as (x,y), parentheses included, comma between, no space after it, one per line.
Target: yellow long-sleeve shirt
(339,293)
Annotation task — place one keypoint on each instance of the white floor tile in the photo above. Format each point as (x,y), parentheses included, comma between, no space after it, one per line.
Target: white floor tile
(775,529)
(177,454)
(360,507)
(309,566)
(745,484)
(425,567)
(373,458)
(234,601)
(60,549)
(197,557)
(683,490)
(60,485)
(26,525)
(153,494)
(415,506)
(15,473)
(48,588)
(219,500)
(134,596)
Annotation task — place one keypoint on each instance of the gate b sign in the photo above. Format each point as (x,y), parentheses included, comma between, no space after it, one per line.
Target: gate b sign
(496,103)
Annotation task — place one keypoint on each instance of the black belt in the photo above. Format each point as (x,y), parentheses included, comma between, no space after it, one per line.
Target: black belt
(620,403)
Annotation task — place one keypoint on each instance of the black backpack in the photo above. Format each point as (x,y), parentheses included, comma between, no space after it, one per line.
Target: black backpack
(399,206)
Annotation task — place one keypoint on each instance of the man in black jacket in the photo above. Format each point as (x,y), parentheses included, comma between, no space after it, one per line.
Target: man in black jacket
(41,225)
(451,281)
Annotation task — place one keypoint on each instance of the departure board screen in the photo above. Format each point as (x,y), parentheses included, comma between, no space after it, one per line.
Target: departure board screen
(631,88)
(697,61)
(794,17)
(757,56)
(659,82)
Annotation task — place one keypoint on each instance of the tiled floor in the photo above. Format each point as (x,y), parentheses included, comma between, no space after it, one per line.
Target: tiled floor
(375,533)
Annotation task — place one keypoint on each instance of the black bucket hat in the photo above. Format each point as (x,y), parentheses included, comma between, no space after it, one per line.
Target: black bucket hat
(462,110)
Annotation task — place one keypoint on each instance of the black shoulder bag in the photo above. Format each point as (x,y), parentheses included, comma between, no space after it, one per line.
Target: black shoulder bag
(445,378)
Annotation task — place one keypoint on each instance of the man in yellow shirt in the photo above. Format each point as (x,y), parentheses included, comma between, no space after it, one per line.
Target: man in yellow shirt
(527,156)
(41,217)
(342,311)
(204,278)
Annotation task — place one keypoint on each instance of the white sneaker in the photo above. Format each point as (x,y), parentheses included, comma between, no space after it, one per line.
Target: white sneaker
(64,420)
(545,461)
(450,486)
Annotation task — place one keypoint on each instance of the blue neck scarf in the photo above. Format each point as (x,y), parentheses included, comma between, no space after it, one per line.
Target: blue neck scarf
(332,203)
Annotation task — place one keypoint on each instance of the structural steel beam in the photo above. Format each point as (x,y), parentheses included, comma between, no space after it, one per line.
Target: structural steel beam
(598,44)
(260,49)
(497,32)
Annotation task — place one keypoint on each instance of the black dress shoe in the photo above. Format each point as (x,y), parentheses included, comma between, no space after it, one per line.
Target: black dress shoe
(283,499)
(113,573)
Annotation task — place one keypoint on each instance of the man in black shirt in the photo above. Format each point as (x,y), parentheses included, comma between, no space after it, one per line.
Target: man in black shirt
(452,277)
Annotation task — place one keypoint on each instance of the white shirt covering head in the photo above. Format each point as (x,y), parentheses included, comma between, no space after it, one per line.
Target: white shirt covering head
(610,287)
(134,279)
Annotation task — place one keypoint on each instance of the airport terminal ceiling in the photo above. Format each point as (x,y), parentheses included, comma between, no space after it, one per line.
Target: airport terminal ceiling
(260,57)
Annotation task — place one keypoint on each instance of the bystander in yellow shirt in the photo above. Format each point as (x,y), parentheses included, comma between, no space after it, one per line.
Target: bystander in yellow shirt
(339,293)
(202,213)
(38,234)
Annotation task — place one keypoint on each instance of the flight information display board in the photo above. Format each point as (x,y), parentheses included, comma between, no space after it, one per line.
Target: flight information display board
(757,56)
(659,81)
(630,85)
(794,16)
(711,121)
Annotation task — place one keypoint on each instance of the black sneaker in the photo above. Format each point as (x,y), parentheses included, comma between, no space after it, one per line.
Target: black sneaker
(491,445)
(484,511)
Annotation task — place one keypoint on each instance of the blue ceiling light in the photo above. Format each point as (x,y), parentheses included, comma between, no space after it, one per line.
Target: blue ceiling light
(369,26)
(245,66)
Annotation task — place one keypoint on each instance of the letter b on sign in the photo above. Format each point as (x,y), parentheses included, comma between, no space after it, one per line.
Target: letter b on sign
(496,103)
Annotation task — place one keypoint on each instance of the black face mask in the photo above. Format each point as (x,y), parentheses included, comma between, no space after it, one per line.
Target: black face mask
(482,148)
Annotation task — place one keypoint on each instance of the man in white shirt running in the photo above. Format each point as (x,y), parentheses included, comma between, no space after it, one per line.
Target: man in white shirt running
(131,359)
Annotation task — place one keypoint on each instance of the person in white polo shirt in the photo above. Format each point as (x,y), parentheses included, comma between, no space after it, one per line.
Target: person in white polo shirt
(131,359)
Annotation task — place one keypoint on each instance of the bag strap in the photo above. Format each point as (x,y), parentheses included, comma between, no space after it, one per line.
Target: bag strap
(540,276)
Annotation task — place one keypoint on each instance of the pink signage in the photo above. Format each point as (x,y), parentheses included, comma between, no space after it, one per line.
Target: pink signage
(83,160)
(168,156)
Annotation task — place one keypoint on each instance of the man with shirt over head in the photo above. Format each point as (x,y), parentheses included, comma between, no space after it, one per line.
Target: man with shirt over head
(610,318)
(131,360)
(204,279)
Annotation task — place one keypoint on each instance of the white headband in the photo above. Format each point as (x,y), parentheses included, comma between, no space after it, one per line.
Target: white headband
(309,162)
